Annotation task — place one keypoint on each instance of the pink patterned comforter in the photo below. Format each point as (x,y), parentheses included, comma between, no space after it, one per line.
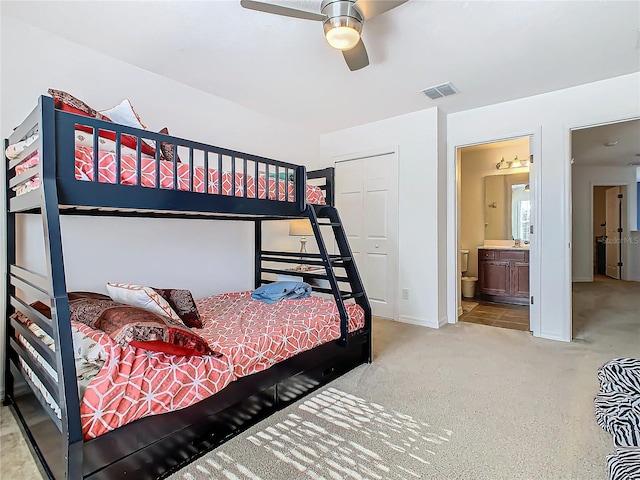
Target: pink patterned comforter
(254,335)
(135,383)
(128,176)
(250,336)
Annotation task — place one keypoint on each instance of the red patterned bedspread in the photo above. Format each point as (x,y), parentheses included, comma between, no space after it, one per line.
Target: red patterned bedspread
(251,336)
(135,383)
(128,176)
(254,335)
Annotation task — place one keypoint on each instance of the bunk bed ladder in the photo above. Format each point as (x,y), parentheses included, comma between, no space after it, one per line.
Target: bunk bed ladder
(343,260)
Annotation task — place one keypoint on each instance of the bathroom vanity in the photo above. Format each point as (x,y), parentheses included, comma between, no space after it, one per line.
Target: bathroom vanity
(503,274)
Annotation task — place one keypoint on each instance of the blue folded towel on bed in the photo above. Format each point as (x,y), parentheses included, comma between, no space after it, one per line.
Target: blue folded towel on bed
(276,291)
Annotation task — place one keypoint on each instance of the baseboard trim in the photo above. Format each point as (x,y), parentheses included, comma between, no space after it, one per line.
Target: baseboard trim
(555,337)
(582,279)
(443,321)
(420,321)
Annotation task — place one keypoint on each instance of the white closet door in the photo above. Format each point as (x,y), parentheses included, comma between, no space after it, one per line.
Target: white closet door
(367,199)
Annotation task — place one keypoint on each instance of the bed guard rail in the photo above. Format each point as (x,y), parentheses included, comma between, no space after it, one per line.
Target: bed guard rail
(111,158)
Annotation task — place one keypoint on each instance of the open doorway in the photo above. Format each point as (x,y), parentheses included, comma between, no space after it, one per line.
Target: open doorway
(609,225)
(605,237)
(494,218)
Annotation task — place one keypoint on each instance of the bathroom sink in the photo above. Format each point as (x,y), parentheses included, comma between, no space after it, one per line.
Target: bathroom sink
(506,247)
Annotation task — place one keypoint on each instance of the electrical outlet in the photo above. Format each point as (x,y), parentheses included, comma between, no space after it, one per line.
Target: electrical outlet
(405,294)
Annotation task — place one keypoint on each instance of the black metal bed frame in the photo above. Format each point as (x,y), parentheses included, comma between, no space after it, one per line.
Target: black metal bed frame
(153,447)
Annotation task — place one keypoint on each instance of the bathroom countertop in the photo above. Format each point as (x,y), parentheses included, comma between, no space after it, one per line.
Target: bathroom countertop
(501,247)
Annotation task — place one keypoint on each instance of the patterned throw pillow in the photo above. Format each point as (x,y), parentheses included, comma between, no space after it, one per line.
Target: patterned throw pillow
(84,347)
(66,99)
(166,348)
(68,103)
(125,323)
(143,297)
(167,148)
(182,303)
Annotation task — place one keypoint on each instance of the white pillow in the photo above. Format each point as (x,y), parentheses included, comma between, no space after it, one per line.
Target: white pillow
(124,114)
(15,150)
(142,297)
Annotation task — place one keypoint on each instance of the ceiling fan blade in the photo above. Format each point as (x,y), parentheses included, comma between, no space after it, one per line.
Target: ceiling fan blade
(372,8)
(280,10)
(357,57)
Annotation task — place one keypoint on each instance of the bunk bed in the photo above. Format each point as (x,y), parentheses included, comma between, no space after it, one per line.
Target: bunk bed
(54,176)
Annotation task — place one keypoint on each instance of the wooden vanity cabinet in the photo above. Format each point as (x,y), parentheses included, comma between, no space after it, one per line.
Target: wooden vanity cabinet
(503,275)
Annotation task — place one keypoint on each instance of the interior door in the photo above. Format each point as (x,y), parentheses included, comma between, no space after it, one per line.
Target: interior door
(367,199)
(612,229)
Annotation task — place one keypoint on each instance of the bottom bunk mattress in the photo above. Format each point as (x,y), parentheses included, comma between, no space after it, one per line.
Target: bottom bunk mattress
(246,336)
(255,335)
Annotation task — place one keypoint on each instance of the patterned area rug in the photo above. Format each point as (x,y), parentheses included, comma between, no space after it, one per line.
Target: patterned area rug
(330,435)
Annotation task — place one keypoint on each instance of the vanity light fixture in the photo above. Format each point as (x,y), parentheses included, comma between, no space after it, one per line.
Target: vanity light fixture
(515,163)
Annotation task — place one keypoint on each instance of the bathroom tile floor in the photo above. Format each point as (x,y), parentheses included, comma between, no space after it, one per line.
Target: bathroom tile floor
(515,317)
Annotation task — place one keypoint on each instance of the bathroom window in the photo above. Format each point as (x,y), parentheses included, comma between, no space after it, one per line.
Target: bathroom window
(520,212)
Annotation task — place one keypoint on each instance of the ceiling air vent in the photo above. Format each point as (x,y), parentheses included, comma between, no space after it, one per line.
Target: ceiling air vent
(440,91)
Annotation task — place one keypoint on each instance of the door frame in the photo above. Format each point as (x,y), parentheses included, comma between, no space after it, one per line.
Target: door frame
(378,152)
(623,252)
(453,225)
(569,127)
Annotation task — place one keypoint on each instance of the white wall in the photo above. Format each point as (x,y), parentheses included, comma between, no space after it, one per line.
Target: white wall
(633,257)
(204,256)
(442,219)
(475,165)
(582,182)
(417,136)
(553,114)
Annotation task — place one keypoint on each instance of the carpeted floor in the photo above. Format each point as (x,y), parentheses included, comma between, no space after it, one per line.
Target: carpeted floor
(503,405)
(467,401)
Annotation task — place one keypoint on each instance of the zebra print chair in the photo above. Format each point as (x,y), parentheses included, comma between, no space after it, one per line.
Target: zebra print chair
(617,411)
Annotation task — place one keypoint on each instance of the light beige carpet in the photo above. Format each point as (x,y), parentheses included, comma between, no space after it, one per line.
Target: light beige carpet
(502,404)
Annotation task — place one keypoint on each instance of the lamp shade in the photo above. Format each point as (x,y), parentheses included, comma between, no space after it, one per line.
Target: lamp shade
(300,227)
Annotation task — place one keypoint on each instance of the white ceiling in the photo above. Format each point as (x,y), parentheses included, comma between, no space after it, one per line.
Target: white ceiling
(492,51)
(588,145)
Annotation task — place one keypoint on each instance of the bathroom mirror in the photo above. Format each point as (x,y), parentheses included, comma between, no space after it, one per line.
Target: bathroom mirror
(507,207)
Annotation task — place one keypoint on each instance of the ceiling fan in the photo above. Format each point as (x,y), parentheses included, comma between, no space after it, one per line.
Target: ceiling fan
(342,19)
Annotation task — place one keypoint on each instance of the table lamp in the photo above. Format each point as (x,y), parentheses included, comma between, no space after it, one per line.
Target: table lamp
(301,228)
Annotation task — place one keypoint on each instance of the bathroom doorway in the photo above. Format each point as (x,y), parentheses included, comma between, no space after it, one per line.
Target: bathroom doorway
(494,233)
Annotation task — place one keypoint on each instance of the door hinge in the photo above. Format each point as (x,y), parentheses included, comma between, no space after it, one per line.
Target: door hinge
(531,158)
(530,229)
(620,264)
(532,300)
(619,195)
(620,230)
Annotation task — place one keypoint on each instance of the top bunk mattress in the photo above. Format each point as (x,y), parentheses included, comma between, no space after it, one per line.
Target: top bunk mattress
(268,187)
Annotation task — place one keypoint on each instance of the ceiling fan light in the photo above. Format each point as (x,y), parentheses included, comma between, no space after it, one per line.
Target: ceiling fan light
(343,37)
